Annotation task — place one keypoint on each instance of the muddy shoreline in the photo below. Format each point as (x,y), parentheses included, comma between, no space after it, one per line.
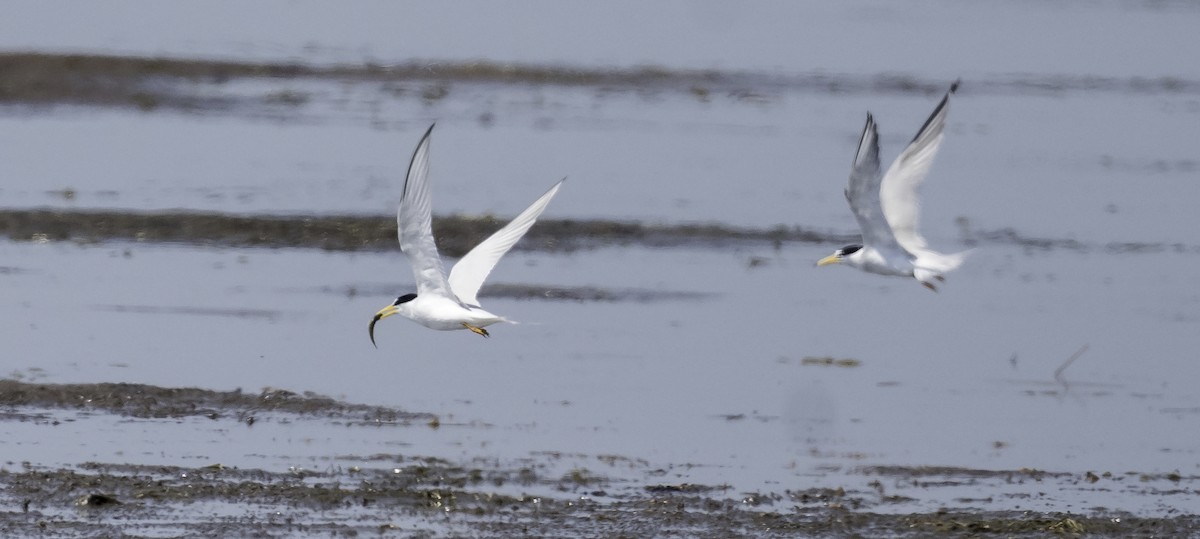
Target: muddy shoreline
(137,460)
(430,496)
(150,402)
(195,85)
(457,234)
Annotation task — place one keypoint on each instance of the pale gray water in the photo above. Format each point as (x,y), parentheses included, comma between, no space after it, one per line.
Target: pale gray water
(655,381)
(1093,167)
(716,382)
(927,37)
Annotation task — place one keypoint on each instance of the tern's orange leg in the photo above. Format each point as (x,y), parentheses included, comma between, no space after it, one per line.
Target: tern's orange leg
(477,330)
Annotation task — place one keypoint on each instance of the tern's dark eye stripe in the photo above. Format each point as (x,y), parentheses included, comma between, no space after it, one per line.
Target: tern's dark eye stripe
(405,299)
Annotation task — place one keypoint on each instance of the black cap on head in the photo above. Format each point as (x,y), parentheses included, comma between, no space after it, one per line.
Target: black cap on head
(405,299)
(849,249)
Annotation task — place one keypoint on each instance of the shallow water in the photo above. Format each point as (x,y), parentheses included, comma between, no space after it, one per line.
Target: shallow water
(741,367)
(716,388)
(783,163)
(1119,37)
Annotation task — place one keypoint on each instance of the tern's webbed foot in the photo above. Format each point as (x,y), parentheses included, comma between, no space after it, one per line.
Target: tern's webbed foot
(929,286)
(477,330)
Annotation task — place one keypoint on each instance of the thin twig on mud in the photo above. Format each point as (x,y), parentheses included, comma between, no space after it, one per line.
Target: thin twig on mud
(1058,377)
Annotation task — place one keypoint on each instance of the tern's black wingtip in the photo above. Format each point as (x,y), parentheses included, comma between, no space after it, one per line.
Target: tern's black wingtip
(954,85)
(870,125)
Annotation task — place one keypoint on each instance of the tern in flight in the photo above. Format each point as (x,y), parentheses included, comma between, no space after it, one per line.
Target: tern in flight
(441,302)
(887,208)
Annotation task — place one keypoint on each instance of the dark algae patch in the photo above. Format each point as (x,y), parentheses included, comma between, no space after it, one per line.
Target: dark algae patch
(433,498)
(588,293)
(410,495)
(145,401)
(455,234)
(195,85)
(458,234)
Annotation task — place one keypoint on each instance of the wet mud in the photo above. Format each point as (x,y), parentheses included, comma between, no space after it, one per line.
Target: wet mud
(589,293)
(195,85)
(144,401)
(405,495)
(455,234)
(458,234)
(498,290)
(430,498)
(420,495)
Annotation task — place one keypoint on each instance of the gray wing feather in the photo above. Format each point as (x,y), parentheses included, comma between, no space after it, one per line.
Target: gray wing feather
(900,185)
(467,276)
(414,225)
(863,191)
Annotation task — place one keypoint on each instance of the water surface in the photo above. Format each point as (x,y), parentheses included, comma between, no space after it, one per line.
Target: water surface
(1069,166)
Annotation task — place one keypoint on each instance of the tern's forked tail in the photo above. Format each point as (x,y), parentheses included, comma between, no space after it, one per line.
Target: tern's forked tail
(940,263)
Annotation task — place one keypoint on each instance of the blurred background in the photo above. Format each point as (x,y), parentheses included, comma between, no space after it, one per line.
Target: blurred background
(1070,166)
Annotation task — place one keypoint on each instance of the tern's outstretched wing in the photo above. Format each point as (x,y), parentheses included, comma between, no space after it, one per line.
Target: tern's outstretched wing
(414,223)
(469,273)
(863,192)
(898,194)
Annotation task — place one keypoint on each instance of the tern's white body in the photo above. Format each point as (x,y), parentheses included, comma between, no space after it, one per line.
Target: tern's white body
(873,260)
(445,313)
(448,302)
(886,207)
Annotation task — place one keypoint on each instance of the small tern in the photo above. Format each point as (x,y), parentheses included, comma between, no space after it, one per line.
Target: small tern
(887,208)
(441,302)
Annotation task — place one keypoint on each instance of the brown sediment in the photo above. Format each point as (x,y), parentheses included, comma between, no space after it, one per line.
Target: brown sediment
(170,83)
(146,401)
(455,234)
(588,293)
(147,84)
(416,495)
(830,361)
